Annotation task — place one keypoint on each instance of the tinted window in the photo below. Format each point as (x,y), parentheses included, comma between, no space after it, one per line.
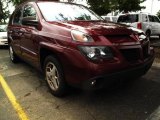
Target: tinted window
(128,18)
(156,19)
(17,17)
(151,18)
(66,12)
(114,19)
(29,11)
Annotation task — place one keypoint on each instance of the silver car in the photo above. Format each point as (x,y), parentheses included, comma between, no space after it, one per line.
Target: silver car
(110,18)
(150,24)
(3,35)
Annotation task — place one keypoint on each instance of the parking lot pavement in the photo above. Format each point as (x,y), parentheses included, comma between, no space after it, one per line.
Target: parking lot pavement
(6,110)
(132,101)
(155,41)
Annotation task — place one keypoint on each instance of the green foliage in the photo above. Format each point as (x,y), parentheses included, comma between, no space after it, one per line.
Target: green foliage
(129,5)
(4,11)
(17,2)
(158,13)
(99,6)
(105,6)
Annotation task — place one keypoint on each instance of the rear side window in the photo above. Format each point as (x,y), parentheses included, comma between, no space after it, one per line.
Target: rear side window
(128,18)
(29,11)
(17,17)
(151,18)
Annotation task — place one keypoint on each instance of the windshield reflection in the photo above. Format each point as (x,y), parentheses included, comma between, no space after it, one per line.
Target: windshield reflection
(66,12)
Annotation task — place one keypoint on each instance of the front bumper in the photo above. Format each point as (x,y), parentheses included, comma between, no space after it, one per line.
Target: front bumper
(80,72)
(132,73)
(3,42)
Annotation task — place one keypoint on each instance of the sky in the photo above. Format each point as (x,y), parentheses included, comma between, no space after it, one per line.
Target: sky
(151,8)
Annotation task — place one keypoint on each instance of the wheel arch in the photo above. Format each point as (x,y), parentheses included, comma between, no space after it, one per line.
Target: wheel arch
(148,30)
(48,50)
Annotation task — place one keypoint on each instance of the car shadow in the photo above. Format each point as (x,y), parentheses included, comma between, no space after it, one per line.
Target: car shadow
(4,47)
(134,100)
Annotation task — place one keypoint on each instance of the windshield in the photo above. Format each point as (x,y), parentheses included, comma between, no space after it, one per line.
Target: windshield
(66,12)
(3,28)
(128,18)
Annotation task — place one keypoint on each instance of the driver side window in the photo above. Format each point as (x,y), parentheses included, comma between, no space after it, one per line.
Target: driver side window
(17,17)
(29,11)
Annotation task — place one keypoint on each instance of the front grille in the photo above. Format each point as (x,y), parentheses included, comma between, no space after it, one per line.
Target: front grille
(131,55)
(118,38)
(145,51)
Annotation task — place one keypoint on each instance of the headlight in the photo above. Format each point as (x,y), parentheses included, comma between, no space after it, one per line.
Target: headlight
(80,36)
(142,37)
(96,52)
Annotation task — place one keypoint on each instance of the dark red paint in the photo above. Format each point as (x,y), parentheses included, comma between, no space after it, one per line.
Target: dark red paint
(55,38)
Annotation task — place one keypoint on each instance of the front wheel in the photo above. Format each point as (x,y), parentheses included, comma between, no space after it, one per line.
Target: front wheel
(54,76)
(148,34)
(12,54)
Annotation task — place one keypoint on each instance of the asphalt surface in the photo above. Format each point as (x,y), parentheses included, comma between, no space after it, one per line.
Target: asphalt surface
(136,100)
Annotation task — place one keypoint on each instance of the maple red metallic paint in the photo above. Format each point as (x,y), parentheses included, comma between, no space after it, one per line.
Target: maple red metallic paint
(33,44)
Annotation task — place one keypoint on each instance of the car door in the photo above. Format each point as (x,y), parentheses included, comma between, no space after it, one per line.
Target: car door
(145,22)
(29,43)
(14,31)
(157,25)
(152,24)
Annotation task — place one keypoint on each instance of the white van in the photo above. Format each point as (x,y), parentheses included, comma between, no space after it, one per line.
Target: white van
(110,18)
(150,24)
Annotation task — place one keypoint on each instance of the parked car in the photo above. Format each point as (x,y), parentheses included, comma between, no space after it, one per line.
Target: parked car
(150,24)
(110,18)
(74,46)
(3,35)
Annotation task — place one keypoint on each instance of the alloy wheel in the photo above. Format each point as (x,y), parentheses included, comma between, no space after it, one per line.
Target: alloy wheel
(52,76)
(11,53)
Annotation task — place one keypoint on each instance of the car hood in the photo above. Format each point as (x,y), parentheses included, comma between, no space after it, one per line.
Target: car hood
(100,27)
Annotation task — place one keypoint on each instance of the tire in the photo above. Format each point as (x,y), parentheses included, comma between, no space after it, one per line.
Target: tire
(54,76)
(148,34)
(12,55)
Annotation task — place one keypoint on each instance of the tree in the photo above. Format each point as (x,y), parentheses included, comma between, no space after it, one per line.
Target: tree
(128,6)
(99,6)
(4,11)
(105,6)
(158,13)
(17,2)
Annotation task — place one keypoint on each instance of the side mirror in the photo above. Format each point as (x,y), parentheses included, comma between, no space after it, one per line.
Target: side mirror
(30,21)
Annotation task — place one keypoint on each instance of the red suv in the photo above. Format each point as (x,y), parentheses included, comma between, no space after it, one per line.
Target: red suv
(74,46)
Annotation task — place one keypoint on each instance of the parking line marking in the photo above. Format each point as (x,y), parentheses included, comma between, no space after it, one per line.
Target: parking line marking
(13,100)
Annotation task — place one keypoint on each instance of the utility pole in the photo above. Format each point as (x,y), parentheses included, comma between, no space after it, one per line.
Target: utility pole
(152,6)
